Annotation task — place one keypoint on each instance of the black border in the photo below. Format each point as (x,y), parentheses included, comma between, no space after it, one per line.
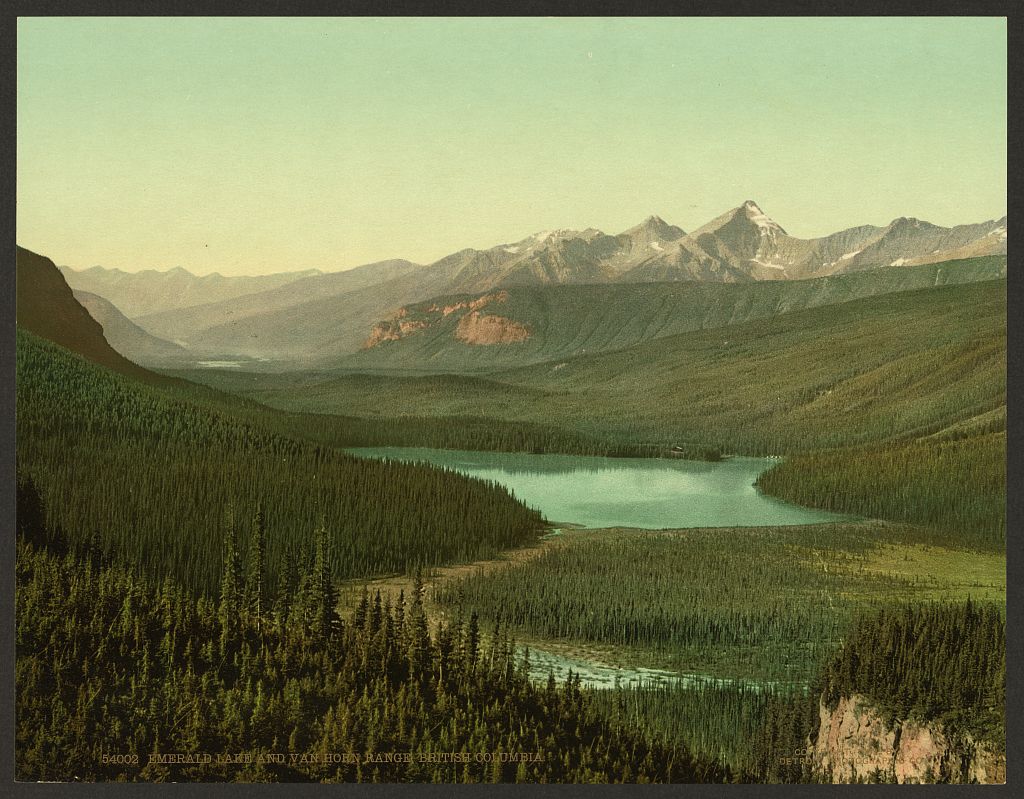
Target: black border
(1015,367)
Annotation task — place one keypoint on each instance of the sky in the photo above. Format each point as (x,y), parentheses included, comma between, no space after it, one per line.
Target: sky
(251,146)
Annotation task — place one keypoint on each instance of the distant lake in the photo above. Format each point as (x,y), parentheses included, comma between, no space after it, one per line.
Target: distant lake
(649,493)
(219,364)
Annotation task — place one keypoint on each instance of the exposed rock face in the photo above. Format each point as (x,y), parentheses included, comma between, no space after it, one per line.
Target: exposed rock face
(471,305)
(477,328)
(393,329)
(472,326)
(854,741)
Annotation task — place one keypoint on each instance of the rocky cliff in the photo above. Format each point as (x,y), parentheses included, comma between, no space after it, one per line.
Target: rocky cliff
(855,742)
(470,325)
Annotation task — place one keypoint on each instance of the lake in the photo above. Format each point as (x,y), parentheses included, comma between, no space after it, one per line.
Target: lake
(650,493)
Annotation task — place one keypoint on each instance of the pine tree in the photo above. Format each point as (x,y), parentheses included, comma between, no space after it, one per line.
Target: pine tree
(230,593)
(325,597)
(418,633)
(254,576)
(287,586)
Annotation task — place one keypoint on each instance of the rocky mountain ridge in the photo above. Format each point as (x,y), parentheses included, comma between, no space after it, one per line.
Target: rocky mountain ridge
(307,317)
(741,245)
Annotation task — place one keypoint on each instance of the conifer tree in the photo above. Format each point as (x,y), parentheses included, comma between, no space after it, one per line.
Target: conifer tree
(418,633)
(230,593)
(254,577)
(324,597)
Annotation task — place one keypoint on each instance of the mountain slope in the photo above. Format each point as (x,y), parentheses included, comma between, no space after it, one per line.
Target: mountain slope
(189,324)
(318,330)
(127,337)
(741,245)
(913,241)
(879,369)
(47,308)
(150,291)
(154,473)
(522,325)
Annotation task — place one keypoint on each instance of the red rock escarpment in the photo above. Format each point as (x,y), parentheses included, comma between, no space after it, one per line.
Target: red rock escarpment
(472,328)
(854,741)
(392,330)
(477,328)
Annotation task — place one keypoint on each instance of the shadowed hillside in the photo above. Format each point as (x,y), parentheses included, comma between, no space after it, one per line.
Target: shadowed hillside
(47,308)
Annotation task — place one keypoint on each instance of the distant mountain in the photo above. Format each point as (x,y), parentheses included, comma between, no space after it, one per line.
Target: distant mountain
(912,241)
(150,291)
(741,245)
(750,245)
(46,307)
(128,338)
(190,324)
(317,318)
(521,325)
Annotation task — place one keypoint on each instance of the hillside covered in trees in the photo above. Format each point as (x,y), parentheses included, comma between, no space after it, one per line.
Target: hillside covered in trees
(954,486)
(123,678)
(937,663)
(148,475)
(872,371)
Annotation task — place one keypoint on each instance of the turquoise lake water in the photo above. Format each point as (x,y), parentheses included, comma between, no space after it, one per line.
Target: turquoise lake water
(650,493)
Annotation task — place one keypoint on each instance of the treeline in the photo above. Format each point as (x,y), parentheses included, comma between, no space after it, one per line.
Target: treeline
(492,435)
(955,486)
(146,475)
(934,662)
(115,672)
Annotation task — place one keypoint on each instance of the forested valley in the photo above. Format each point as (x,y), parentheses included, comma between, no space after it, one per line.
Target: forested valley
(114,668)
(181,551)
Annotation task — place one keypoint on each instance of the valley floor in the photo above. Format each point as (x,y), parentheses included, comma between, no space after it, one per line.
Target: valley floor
(824,574)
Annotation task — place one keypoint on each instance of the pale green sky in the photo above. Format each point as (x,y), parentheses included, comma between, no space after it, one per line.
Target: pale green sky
(258,145)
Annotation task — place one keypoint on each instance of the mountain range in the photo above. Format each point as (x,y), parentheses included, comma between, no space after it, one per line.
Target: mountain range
(139,293)
(311,317)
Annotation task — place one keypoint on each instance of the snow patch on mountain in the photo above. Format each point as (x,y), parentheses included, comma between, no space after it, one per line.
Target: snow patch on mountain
(770,266)
(767,225)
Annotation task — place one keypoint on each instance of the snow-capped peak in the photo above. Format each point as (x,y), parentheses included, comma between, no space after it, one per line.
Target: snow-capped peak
(767,225)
